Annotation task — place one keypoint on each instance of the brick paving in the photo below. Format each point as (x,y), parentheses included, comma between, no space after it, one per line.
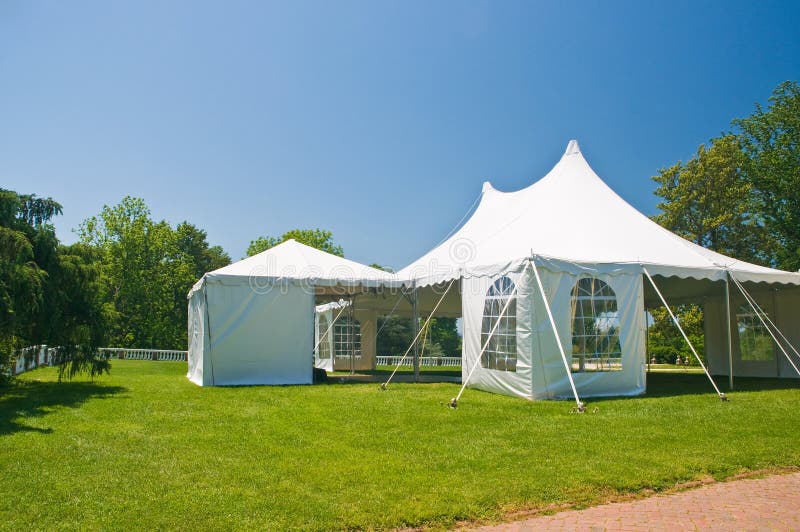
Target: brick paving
(770,503)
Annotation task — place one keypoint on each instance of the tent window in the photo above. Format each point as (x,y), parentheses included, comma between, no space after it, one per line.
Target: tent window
(755,342)
(347,338)
(324,348)
(501,351)
(595,327)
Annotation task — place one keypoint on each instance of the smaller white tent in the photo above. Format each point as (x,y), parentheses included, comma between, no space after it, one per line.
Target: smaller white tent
(252,322)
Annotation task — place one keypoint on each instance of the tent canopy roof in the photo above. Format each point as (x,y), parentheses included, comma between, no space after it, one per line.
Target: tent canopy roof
(571,216)
(295,262)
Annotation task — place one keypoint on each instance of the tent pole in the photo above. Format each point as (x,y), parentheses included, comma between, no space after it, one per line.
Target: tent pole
(728,330)
(454,401)
(415,331)
(646,339)
(352,337)
(722,396)
(581,407)
(414,341)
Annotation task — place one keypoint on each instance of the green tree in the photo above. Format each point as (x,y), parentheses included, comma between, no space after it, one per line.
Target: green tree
(192,241)
(771,141)
(316,238)
(444,333)
(24,222)
(395,335)
(48,292)
(665,341)
(145,275)
(710,201)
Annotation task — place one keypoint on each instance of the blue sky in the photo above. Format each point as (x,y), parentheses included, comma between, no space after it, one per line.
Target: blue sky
(376,120)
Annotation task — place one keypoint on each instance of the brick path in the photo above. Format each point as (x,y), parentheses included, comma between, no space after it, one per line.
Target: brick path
(771,503)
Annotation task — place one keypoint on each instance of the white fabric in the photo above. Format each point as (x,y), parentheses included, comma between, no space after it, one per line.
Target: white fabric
(324,331)
(571,215)
(294,262)
(540,372)
(252,322)
(259,337)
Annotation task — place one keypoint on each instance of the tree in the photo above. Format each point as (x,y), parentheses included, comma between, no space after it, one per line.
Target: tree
(147,268)
(145,275)
(710,201)
(316,238)
(665,341)
(771,141)
(48,292)
(192,241)
(444,332)
(23,223)
(395,335)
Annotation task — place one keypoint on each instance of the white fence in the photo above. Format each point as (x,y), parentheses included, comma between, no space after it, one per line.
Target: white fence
(41,355)
(423,361)
(170,355)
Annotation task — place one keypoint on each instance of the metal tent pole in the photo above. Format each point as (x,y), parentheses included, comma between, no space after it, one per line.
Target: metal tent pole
(728,330)
(415,330)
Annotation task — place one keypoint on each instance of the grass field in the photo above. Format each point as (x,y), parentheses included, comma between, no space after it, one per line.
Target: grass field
(144,448)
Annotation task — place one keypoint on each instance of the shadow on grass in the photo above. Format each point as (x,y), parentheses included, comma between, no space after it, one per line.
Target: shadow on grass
(25,400)
(671,384)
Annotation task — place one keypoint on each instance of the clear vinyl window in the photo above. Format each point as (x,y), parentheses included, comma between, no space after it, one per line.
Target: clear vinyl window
(346,338)
(501,351)
(324,347)
(755,342)
(595,327)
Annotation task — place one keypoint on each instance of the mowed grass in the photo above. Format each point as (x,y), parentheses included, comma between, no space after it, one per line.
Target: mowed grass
(144,448)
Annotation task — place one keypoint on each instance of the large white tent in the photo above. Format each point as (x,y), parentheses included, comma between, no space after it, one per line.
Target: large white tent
(553,283)
(252,322)
(555,279)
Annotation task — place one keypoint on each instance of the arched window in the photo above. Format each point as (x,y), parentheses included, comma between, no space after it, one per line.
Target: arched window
(755,342)
(501,352)
(347,338)
(324,347)
(595,327)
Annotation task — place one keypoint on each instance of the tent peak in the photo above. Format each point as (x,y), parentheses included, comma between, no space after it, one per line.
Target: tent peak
(572,148)
(486,186)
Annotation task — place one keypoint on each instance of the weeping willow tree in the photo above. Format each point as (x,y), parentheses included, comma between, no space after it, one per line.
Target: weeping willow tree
(48,292)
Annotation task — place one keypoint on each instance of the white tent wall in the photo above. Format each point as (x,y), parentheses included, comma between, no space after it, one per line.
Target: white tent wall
(540,372)
(473,299)
(198,338)
(259,336)
(781,303)
(551,380)
(787,300)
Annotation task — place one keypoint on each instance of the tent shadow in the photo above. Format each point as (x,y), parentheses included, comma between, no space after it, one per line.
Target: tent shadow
(30,399)
(672,384)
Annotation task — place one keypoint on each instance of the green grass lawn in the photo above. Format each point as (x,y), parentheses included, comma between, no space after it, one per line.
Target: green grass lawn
(144,448)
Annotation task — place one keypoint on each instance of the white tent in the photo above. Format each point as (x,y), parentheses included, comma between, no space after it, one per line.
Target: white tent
(252,322)
(555,279)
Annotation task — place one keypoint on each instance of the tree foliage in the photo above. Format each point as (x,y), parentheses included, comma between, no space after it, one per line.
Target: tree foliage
(770,140)
(739,196)
(710,201)
(147,270)
(49,293)
(665,341)
(316,238)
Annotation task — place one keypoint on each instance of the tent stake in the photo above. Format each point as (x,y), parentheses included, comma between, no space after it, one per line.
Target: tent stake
(722,396)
